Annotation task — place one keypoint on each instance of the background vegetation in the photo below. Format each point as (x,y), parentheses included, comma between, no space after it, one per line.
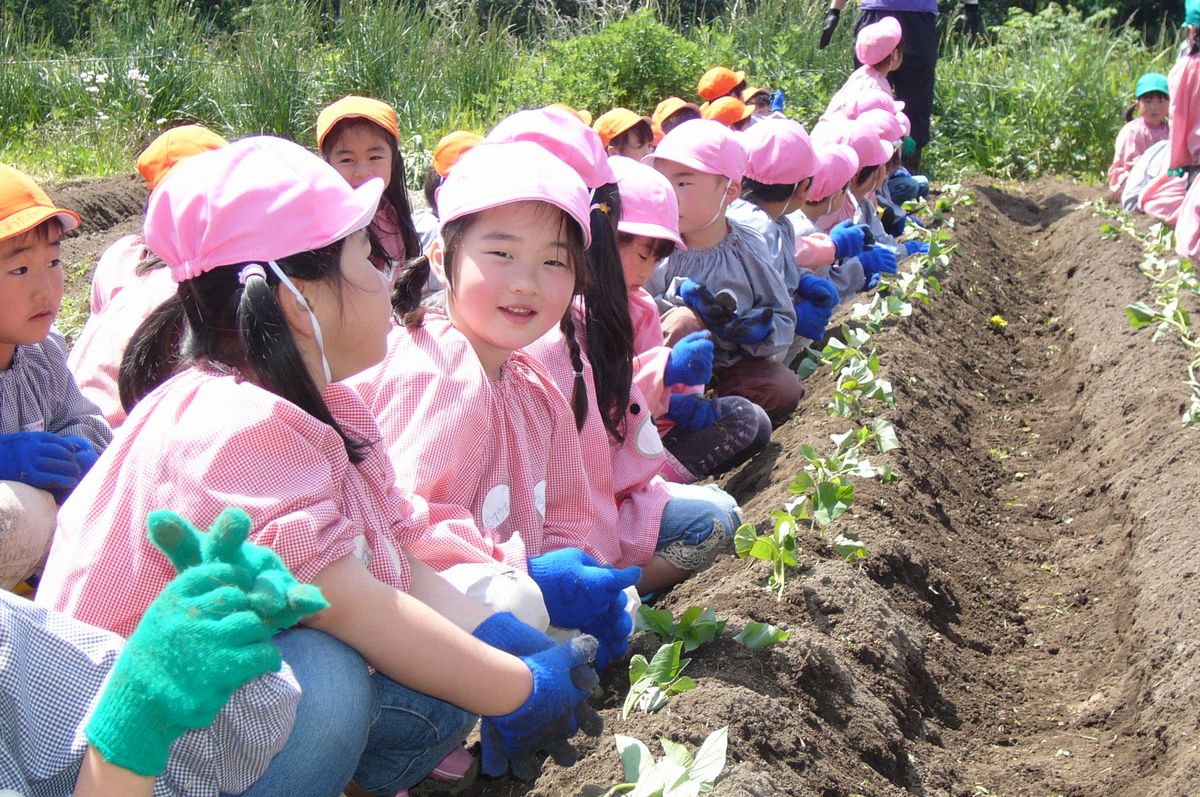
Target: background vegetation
(84,86)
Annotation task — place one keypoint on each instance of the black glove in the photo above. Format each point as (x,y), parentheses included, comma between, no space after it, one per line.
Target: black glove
(972,23)
(828,27)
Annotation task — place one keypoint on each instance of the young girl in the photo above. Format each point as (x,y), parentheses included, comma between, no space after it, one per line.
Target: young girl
(648,232)
(623,132)
(671,113)
(234,391)
(1148,128)
(729,111)
(50,435)
(877,47)
(473,424)
(360,137)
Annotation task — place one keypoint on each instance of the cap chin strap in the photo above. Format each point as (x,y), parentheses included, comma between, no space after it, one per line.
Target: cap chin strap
(291,286)
(720,210)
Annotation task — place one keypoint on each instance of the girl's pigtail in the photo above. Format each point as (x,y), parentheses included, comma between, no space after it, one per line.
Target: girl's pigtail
(1130,111)
(406,295)
(153,352)
(579,403)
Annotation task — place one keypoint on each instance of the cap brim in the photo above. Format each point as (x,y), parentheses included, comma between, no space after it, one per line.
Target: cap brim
(25,220)
(366,200)
(682,160)
(651,230)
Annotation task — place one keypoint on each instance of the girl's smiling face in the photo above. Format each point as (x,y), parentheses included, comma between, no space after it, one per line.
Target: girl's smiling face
(512,278)
(360,153)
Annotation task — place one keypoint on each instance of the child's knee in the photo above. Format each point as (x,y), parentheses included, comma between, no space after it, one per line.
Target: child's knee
(27,520)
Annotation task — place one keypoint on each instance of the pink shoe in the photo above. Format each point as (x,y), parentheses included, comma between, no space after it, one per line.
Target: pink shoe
(454,766)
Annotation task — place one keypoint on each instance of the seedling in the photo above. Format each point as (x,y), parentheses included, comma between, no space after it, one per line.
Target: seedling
(677,774)
(697,626)
(850,548)
(777,547)
(653,683)
(757,636)
(998,323)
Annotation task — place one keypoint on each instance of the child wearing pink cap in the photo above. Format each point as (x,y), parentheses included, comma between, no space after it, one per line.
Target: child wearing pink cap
(668,529)
(877,47)
(725,281)
(473,424)
(1141,131)
(50,435)
(233,387)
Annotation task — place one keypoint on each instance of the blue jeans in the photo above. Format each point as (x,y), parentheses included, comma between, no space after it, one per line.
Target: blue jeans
(694,514)
(351,724)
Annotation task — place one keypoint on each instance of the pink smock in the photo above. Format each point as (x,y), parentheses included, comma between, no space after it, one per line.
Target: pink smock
(1134,139)
(116,269)
(865,78)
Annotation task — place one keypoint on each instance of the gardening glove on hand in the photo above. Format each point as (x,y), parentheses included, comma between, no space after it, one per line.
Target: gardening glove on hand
(691,411)
(562,681)
(818,290)
(274,593)
(916,247)
(85,457)
(777,101)
(811,319)
(504,631)
(748,328)
(909,147)
(879,260)
(972,24)
(581,593)
(828,27)
(848,240)
(714,310)
(893,223)
(690,361)
(40,459)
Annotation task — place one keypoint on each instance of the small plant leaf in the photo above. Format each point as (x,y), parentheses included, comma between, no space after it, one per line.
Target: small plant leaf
(850,547)
(757,636)
(660,621)
(744,539)
(635,757)
(676,753)
(886,439)
(802,484)
(710,758)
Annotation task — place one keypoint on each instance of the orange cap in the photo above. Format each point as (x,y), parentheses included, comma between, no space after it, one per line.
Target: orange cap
(451,147)
(751,92)
(727,110)
(615,122)
(171,147)
(718,81)
(578,113)
(669,106)
(354,106)
(23,205)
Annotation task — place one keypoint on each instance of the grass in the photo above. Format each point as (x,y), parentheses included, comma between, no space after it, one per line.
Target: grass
(1045,97)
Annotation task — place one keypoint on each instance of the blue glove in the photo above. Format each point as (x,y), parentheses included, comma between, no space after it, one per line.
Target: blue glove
(748,328)
(39,459)
(505,632)
(916,221)
(916,247)
(811,319)
(777,100)
(879,260)
(820,291)
(85,453)
(556,709)
(893,223)
(581,593)
(690,361)
(715,310)
(691,411)
(872,282)
(848,240)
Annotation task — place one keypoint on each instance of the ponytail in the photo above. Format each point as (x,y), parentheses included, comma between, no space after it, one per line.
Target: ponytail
(406,294)
(578,399)
(1130,111)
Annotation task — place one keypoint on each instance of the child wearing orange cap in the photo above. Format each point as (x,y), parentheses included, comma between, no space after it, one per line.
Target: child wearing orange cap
(671,113)
(446,153)
(623,132)
(50,435)
(360,137)
(720,82)
(729,111)
(118,309)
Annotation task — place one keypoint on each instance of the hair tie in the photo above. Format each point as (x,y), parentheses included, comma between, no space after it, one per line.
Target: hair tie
(579,374)
(251,270)
(600,206)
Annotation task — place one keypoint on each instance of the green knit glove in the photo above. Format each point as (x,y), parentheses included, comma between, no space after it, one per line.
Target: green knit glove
(205,635)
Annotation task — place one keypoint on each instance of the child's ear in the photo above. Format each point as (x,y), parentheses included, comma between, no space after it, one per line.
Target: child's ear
(294,310)
(611,150)
(437,260)
(733,191)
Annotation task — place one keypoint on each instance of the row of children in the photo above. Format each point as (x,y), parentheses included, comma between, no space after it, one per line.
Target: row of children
(1158,154)
(480,479)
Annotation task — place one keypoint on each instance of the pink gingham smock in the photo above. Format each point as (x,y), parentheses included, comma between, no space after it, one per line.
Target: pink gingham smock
(203,441)
(117,269)
(1134,139)
(650,358)
(865,78)
(627,494)
(497,462)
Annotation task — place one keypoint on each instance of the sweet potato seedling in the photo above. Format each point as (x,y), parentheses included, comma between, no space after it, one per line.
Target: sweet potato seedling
(696,626)
(677,774)
(653,683)
(757,636)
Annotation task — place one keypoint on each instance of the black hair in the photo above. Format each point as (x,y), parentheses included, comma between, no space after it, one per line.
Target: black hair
(433,181)
(638,135)
(673,120)
(866,173)
(214,319)
(608,329)
(406,294)
(769,193)
(396,194)
(662,246)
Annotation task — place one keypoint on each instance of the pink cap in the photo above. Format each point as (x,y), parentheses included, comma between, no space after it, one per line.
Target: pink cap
(491,175)
(778,152)
(876,41)
(561,132)
(870,148)
(867,99)
(648,203)
(836,164)
(257,199)
(706,146)
(885,124)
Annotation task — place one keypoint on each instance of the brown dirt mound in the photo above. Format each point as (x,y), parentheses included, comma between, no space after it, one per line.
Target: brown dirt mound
(1022,626)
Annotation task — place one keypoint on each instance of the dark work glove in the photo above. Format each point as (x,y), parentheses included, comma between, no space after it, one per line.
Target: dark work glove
(828,27)
(714,310)
(749,328)
(972,23)
(893,224)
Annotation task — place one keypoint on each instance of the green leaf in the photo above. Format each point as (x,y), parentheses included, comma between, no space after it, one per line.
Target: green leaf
(1140,315)
(635,757)
(764,548)
(801,484)
(761,635)
(660,621)
(637,668)
(682,684)
(676,753)
(744,539)
(850,547)
(710,758)
(886,438)
(666,663)
(833,499)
